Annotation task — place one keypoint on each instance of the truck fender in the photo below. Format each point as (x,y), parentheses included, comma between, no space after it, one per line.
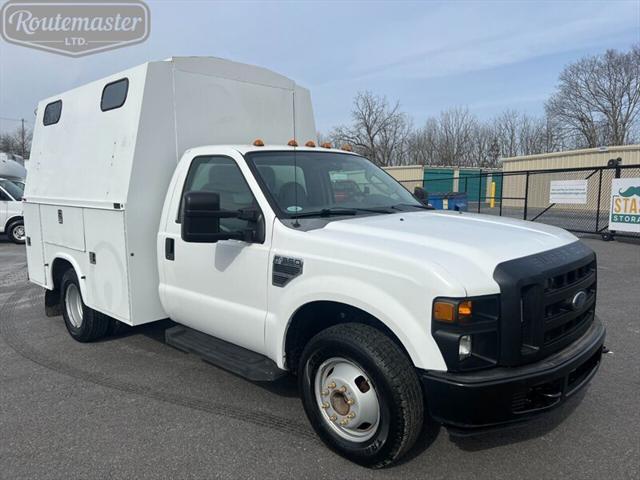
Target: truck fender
(412,332)
(76,267)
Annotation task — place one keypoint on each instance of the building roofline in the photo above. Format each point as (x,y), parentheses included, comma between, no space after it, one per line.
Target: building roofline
(568,153)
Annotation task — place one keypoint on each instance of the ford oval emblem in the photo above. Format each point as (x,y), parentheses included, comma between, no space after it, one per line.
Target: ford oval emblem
(578,300)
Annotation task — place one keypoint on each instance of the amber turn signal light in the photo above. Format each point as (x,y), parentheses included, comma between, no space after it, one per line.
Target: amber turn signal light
(444,312)
(465,309)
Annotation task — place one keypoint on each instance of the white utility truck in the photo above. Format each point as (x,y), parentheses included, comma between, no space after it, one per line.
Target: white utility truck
(11,222)
(148,197)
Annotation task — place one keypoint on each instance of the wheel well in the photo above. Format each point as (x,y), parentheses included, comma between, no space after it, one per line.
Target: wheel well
(52,297)
(11,221)
(312,318)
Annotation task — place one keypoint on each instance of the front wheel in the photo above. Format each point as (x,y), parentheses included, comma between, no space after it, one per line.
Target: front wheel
(361,394)
(16,233)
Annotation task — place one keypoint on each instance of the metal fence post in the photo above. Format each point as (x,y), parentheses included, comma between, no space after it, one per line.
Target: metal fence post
(479,189)
(526,195)
(599,196)
(501,190)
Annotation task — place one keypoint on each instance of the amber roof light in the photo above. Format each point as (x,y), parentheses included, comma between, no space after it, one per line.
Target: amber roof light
(347,148)
(310,144)
(326,145)
(258,143)
(292,143)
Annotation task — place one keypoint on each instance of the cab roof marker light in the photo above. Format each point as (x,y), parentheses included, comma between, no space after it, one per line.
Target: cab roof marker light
(310,144)
(258,143)
(292,143)
(326,145)
(347,148)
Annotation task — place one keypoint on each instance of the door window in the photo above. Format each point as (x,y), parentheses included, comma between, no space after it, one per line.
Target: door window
(221,175)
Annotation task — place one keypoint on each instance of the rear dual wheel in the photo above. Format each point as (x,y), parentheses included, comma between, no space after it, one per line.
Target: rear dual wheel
(361,394)
(83,323)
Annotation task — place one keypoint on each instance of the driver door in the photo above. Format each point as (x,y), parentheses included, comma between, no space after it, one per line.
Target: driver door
(218,288)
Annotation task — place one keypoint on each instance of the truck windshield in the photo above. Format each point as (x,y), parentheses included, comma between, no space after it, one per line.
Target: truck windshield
(12,189)
(328,183)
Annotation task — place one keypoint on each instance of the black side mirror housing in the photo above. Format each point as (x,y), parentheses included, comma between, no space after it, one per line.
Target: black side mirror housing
(201,218)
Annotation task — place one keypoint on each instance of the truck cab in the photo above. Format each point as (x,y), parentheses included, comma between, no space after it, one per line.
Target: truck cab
(199,203)
(11,221)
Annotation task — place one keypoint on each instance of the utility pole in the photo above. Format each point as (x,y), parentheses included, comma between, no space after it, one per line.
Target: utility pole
(22,138)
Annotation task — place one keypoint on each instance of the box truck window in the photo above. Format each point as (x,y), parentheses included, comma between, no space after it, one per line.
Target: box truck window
(221,175)
(52,113)
(114,94)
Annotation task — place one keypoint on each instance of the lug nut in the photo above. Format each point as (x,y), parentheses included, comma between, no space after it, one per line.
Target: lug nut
(324,393)
(332,385)
(333,418)
(325,405)
(342,389)
(344,422)
(351,415)
(350,401)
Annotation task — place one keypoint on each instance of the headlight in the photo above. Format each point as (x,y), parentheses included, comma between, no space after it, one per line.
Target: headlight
(466,331)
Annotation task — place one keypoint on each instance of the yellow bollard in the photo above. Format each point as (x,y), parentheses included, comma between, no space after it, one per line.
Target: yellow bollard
(492,203)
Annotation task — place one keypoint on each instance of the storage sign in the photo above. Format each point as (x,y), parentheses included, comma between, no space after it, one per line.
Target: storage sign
(625,205)
(568,191)
(75,28)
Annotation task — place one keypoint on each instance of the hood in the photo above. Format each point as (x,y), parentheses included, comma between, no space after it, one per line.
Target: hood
(467,245)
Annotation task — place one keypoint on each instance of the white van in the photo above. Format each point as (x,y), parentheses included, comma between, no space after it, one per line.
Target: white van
(193,189)
(11,222)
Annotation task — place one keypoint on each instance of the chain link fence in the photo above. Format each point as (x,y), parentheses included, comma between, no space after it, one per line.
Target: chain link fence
(526,195)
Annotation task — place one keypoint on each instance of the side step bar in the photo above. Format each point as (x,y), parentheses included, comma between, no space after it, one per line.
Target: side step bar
(235,359)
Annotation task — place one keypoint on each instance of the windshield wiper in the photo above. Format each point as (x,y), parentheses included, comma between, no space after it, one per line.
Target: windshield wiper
(422,207)
(335,211)
(326,212)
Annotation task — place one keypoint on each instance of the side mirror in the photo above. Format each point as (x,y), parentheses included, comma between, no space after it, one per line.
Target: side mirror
(201,218)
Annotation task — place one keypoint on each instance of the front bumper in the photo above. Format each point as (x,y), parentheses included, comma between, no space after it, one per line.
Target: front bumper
(501,395)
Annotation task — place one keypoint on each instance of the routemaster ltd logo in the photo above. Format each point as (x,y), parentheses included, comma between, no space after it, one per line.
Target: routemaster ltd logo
(75,28)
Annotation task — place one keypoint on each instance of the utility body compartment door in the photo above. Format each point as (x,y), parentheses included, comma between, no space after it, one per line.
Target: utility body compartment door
(35,251)
(217,288)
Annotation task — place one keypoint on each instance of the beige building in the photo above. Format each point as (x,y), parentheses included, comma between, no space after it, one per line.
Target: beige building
(514,185)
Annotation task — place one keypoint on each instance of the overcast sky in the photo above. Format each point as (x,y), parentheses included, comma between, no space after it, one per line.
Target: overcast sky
(487,55)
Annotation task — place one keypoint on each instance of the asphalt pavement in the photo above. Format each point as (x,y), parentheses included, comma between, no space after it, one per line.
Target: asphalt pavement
(132,407)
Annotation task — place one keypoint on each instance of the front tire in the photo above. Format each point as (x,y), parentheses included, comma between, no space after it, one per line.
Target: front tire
(16,233)
(83,323)
(361,394)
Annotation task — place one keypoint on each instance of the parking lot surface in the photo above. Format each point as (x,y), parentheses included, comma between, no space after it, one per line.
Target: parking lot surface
(132,407)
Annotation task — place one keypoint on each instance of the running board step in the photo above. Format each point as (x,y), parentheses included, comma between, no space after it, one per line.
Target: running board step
(235,359)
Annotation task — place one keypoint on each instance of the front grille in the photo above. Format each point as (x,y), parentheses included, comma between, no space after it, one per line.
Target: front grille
(561,317)
(547,301)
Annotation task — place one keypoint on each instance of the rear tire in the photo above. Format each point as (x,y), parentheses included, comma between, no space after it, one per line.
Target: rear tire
(329,362)
(83,323)
(16,232)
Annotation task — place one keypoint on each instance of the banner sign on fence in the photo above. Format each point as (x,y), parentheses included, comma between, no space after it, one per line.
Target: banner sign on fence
(568,191)
(624,215)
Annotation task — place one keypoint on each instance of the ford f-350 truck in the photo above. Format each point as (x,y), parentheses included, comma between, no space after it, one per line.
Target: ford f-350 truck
(177,189)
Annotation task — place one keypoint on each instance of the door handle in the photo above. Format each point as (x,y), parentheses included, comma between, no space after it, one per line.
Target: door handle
(169,249)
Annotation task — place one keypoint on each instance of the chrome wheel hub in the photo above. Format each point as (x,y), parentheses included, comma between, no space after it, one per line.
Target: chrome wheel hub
(73,305)
(347,399)
(18,232)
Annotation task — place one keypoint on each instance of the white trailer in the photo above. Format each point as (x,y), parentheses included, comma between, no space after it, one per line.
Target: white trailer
(148,198)
(99,171)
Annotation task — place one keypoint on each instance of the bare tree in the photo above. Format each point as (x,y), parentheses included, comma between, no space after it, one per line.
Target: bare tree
(379,131)
(17,142)
(598,99)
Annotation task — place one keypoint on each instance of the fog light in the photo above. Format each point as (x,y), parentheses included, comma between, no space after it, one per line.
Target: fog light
(464,349)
